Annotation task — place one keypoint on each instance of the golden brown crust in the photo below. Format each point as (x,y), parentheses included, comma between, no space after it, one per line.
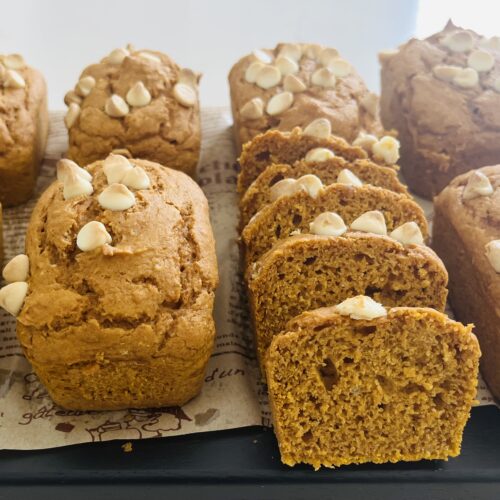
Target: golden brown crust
(444,129)
(340,105)
(163,131)
(258,193)
(460,232)
(23,135)
(394,388)
(146,304)
(278,219)
(305,272)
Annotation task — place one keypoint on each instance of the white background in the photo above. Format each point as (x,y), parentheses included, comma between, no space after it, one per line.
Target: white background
(61,37)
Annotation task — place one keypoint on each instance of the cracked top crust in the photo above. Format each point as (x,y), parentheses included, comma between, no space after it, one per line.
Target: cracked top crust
(150,296)
(347,103)
(164,130)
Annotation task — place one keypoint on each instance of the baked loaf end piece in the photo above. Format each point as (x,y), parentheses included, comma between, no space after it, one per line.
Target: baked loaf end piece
(308,271)
(466,235)
(394,387)
(442,95)
(135,101)
(293,84)
(24,125)
(120,294)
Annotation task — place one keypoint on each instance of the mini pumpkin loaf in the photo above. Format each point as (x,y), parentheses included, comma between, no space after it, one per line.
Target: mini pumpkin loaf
(442,94)
(24,125)
(332,170)
(115,310)
(139,103)
(309,271)
(299,202)
(361,383)
(466,234)
(314,143)
(292,84)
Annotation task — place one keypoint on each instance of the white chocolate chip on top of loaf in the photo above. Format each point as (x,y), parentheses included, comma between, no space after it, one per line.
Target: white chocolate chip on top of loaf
(480,60)
(386,150)
(117,56)
(147,56)
(92,235)
(291,50)
(17,269)
(72,114)
(320,128)
(65,167)
(189,77)
(75,185)
(13,80)
(324,77)
(279,103)
(328,224)
(138,95)
(263,56)
(268,77)
(184,94)
(253,109)
(71,96)
(458,41)
(477,185)
(136,178)
(116,107)
(286,65)
(318,155)
(408,233)
(466,78)
(12,297)
(361,307)
(115,167)
(313,51)
(116,197)
(347,177)
(14,61)
(328,54)
(292,83)
(253,70)
(85,85)
(339,67)
(365,141)
(446,72)
(370,222)
(493,254)
(286,187)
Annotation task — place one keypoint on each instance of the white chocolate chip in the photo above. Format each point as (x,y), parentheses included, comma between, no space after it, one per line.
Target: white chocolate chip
(320,128)
(370,103)
(14,61)
(286,65)
(72,115)
(268,76)
(365,141)
(328,224)
(318,155)
(263,56)
(458,41)
(446,72)
(136,178)
(12,297)
(149,57)
(291,50)
(85,85)
(313,51)
(253,109)
(65,167)
(467,78)
(252,71)
(347,177)
(324,77)
(13,80)
(116,107)
(340,67)
(17,269)
(115,167)
(386,150)
(75,185)
(408,233)
(490,43)
(385,55)
(477,185)
(370,222)
(138,95)
(91,236)
(189,77)
(116,197)
(279,103)
(310,183)
(71,96)
(117,56)
(493,254)
(285,187)
(327,54)
(184,94)
(361,307)
(291,83)
(480,60)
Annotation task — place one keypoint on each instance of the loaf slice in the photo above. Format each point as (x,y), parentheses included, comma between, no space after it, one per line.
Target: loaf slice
(258,193)
(349,391)
(294,213)
(308,271)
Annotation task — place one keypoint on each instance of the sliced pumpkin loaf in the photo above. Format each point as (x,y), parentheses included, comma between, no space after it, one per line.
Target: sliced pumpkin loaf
(309,271)
(332,170)
(293,213)
(361,383)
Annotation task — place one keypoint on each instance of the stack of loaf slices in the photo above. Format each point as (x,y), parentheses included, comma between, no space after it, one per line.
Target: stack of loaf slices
(347,303)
